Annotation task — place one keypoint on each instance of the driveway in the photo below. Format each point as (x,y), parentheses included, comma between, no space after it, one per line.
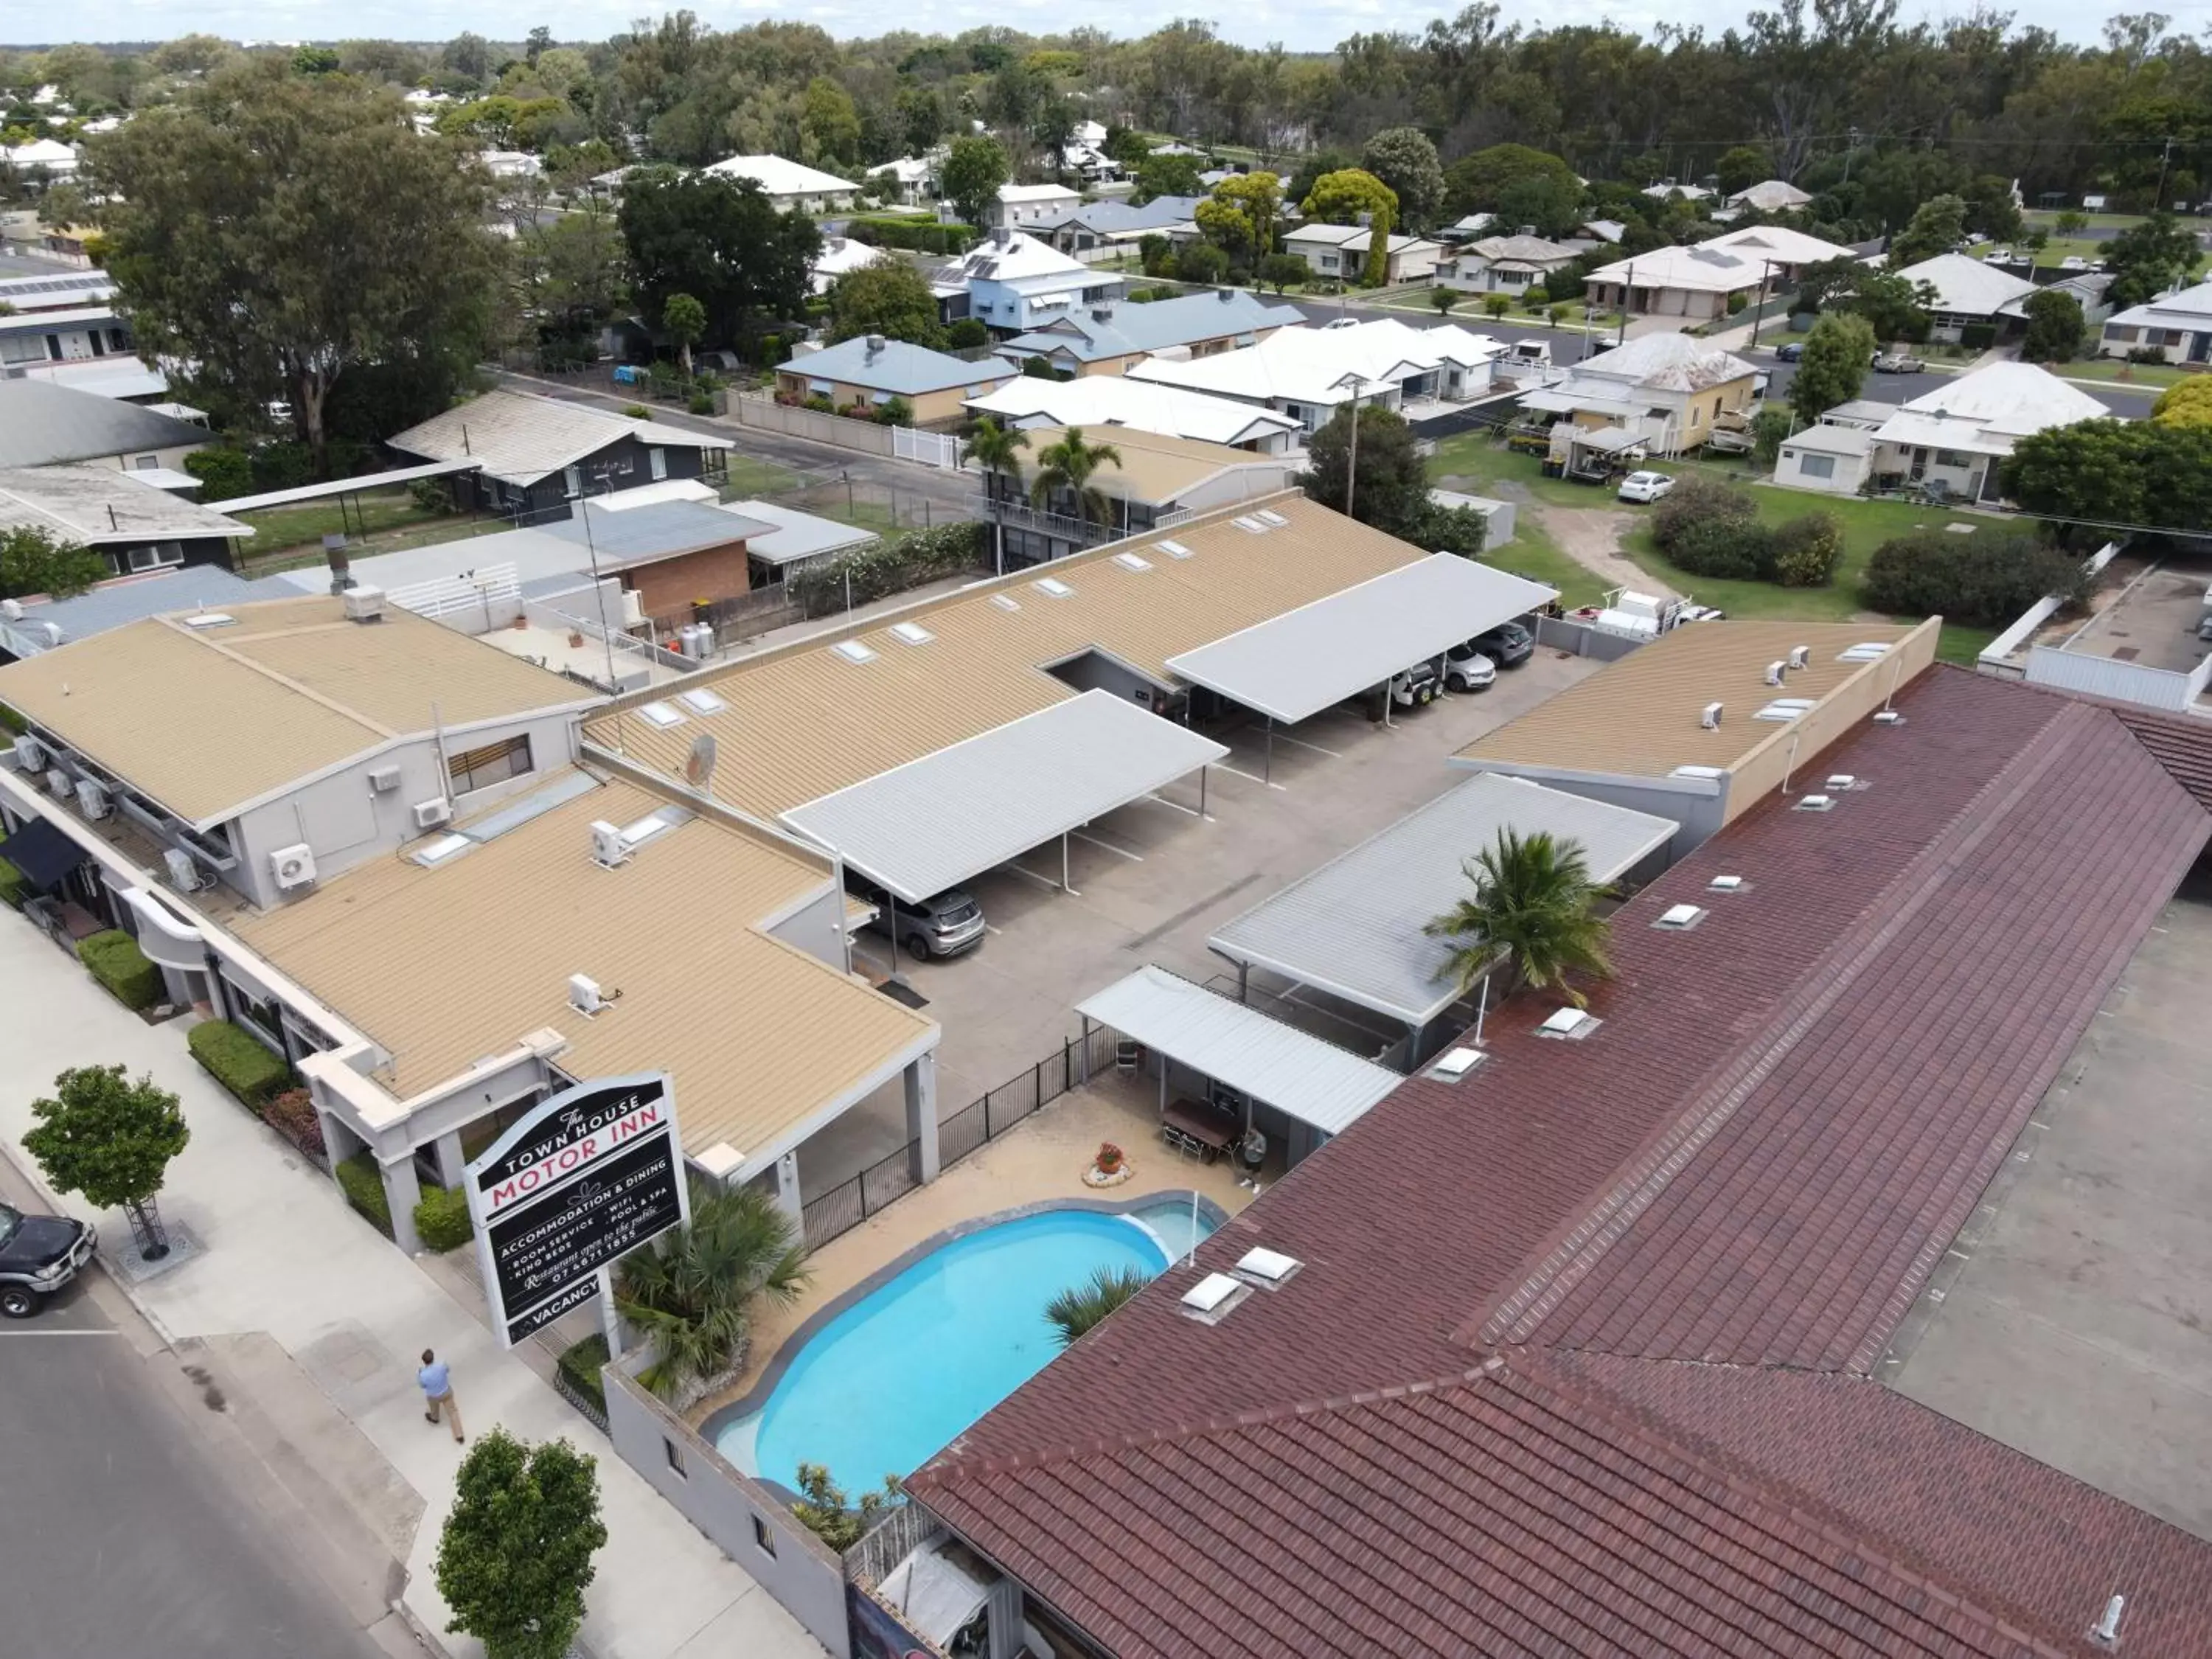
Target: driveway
(1592,537)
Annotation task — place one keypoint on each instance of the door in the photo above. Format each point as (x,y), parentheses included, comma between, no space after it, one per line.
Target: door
(2200,348)
(659,458)
(1918,469)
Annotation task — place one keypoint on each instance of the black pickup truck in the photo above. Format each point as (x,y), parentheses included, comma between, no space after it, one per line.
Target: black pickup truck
(38,1254)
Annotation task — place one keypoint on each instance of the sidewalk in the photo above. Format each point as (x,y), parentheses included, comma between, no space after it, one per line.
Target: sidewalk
(283,1255)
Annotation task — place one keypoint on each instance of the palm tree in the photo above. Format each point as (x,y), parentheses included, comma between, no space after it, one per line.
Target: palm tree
(1079,1306)
(997,448)
(1534,903)
(692,1291)
(1068,465)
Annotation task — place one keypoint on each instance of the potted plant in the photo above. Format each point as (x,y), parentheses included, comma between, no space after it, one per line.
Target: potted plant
(1110,1168)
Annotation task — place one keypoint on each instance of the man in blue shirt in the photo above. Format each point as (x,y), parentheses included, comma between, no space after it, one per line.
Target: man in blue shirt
(437,1392)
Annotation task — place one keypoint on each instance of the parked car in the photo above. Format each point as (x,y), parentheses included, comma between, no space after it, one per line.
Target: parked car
(1465,669)
(943,925)
(1509,645)
(1789,351)
(1899,363)
(1644,486)
(1416,687)
(38,1254)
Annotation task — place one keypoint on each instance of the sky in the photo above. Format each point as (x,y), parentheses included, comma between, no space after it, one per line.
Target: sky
(1301,25)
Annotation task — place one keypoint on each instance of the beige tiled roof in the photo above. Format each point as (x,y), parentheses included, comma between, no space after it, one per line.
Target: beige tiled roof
(441,966)
(206,721)
(1640,716)
(1154,469)
(802,721)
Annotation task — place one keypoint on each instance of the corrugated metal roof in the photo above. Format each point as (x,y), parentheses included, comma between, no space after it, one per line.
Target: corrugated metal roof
(42,422)
(1294,1071)
(1353,927)
(934,822)
(1158,470)
(521,438)
(1296,665)
(102,505)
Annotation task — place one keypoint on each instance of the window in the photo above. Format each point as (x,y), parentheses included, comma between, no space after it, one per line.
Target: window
(659,458)
(675,1454)
(263,1019)
(146,463)
(1953,457)
(495,762)
(763,1537)
(2121,333)
(160,555)
(1816,466)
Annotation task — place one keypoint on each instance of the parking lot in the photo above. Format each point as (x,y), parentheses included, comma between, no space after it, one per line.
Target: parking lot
(2153,623)
(1152,880)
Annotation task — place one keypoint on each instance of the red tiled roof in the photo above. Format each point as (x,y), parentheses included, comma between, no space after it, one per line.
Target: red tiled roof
(1786,1112)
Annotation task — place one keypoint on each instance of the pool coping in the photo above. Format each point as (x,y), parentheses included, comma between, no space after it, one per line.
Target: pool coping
(755,1398)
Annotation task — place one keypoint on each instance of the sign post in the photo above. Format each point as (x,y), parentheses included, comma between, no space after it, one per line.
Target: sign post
(581,1181)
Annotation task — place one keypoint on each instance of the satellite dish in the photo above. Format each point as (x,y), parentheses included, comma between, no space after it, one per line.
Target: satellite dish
(699,765)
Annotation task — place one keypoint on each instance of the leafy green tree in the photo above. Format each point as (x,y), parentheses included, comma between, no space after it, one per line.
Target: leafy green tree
(1938,226)
(686,320)
(1202,262)
(1478,183)
(1339,198)
(1166,175)
(2187,403)
(973,169)
(1769,428)
(1497,305)
(1739,168)
(2147,258)
(1282,270)
(920,118)
(325,235)
(1991,211)
(889,298)
(1406,161)
(1982,580)
(1391,487)
(691,1292)
(824,1510)
(2070,223)
(2110,473)
(1079,1306)
(1532,903)
(222,473)
(32,560)
(1837,353)
(2055,326)
(110,1139)
(830,122)
(315,60)
(1444,299)
(515,1557)
(1240,216)
(1067,468)
(719,240)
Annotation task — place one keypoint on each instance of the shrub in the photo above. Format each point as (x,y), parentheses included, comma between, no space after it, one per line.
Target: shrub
(885,568)
(1497,305)
(282,466)
(222,473)
(1153,252)
(1978,337)
(967,334)
(1536,297)
(114,959)
(702,402)
(1806,550)
(362,1183)
(1202,262)
(239,1061)
(920,231)
(1984,579)
(430,494)
(12,885)
(441,1218)
(1736,302)
(1730,551)
(292,1115)
(637,411)
(579,1365)
(1696,502)
(897,411)
(820,404)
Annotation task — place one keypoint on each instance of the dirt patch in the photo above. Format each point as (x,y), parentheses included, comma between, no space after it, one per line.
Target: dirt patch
(1591,537)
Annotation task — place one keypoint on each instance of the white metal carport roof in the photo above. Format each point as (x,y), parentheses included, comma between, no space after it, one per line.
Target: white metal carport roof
(934,822)
(1296,665)
(1353,927)
(1294,1071)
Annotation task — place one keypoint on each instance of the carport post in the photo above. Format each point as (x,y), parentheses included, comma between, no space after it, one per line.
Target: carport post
(892,899)
(1268,771)
(1202,771)
(1064,887)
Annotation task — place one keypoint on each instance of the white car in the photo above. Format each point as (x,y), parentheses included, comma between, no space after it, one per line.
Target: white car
(1644,486)
(1466,669)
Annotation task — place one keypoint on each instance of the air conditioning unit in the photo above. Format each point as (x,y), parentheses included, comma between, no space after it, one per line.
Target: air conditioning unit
(30,754)
(383,779)
(293,865)
(57,783)
(364,604)
(430,813)
(1774,671)
(633,612)
(607,846)
(12,610)
(584,993)
(1800,655)
(184,875)
(92,799)
(1710,720)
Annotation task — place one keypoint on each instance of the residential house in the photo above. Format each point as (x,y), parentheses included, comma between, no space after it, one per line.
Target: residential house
(791,186)
(1025,207)
(46,158)
(121,375)
(136,525)
(1667,190)
(1094,401)
(870,370)
(783,539)
(914,178)
(1159,482)
(508,164)
(1707,279)
(1340,250)
(1502,265)
(1667,389)
(78,334)
(1604,230)
(1111,336)
(1306,373)
(1104,230)
(1772,195)
(535,453)
(1956,437)
(1834,458)
(840,254)
(2177,326)
(1966,293)
(1466,229)
(1014,282)
(59,290)
(42,423)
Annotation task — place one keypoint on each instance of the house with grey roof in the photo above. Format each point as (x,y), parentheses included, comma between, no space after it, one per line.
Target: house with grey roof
(1115,335)
(43,423)
(1503,264)
(31,625)
(136,525)
(870,370)
(1100,229)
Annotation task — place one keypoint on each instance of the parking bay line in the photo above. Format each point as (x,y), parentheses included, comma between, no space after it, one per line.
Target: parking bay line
(1134,858)
(1303,743)
(1221,766)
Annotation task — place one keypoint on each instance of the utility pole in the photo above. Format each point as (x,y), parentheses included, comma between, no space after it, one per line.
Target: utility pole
(2165,158)
(1765,282)
(1627,292)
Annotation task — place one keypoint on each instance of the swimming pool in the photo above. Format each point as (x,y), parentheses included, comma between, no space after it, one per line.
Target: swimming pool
(894,1377)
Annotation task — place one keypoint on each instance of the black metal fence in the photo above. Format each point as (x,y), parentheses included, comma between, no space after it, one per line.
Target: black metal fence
(846,1205)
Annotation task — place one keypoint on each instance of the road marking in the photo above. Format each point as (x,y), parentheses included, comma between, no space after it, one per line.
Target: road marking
(1219,766)
(1162,800)
(57,1333)
(1041,881)
(1108,846)
(1303,743)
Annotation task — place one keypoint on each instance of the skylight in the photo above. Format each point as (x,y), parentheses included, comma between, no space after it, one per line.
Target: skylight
(1814,804)
(1458,1062)
(1843,782)
(1271,1266)
(210,619)
(1568,1024)
(661,714)
(1210,1292)
(436,852)
(1785,709)
(908,633)
(1679,918)
(1268,516)
(1726,883)
(1698,772)
(1006,602)
(1250,525)
(1865,651)
(1173,549)
(1053,586)
(701,702)
(1131,561)
(853,651)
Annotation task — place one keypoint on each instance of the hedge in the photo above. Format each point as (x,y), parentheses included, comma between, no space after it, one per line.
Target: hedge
(239,1061)
(922,235)
(1982,580)
(363,1184)
(114,959)
(441,1218)
(292,1115)
(886,568)
(12,885)
(579,1365)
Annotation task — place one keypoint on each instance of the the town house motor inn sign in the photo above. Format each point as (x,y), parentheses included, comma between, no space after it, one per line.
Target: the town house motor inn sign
(579,1181)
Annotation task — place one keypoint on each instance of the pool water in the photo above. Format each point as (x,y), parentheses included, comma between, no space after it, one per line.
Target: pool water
(896,1376)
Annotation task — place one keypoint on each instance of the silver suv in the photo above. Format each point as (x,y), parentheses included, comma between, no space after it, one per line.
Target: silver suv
(943,925)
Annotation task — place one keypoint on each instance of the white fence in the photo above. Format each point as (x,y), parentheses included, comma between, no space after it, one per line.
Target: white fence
(1998,656)
(2122,682)
(490,597)
(930,448)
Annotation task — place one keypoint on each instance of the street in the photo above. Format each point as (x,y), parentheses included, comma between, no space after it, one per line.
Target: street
(125,1529)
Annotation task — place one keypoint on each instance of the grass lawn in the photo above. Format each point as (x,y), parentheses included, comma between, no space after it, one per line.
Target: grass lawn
(1535,555)
(2118,371)
(282,528)
(1480,465)
(749,476)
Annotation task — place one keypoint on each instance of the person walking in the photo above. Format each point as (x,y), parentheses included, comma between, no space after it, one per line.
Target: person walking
(437,1384)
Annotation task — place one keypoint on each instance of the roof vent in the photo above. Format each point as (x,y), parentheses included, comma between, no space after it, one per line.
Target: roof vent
(875,343)
(909,633)
(1131,562)
(1814,804)
(2106,1633)
(661,714)
(1775,671)
(1864,651)
(1842,783)
(1053,587)
(701,702)
(1679,918)
(1268,517)
(363,603)
(1006,602)
(853,651)
(1800,656)
(1568,1024)
(584,994)
(1214,1298)
(1710,720)
(210,619)
(1173,549)
(1267,1268)
(1455,1063)
(1727,885)
(1887,717)
(1704,773)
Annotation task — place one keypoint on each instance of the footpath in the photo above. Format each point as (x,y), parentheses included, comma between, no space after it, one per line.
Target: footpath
(321,1320)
